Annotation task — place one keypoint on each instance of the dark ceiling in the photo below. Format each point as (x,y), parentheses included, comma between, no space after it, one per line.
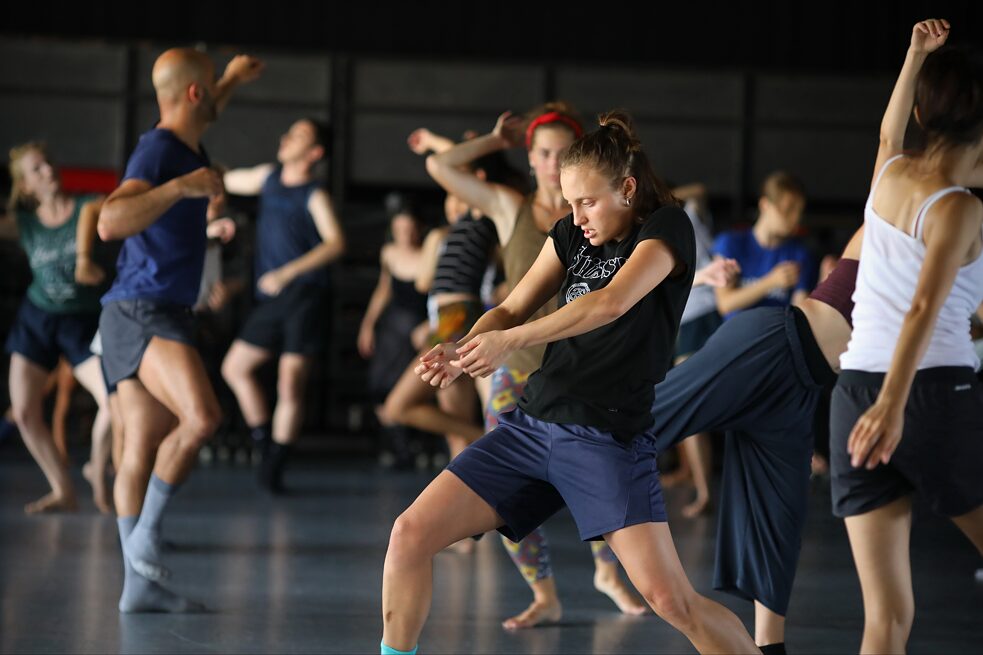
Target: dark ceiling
(817,36)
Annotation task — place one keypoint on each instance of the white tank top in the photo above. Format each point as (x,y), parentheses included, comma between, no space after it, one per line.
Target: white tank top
(890,263)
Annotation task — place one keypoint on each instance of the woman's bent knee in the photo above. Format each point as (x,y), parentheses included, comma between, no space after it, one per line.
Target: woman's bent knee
(407,540)
(674,606)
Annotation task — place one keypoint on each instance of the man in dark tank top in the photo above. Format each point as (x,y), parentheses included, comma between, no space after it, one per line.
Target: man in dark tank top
(297,236)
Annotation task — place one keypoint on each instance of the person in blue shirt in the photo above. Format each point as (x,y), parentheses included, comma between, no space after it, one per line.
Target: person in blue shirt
(776,268)
(297,236)
(168,406)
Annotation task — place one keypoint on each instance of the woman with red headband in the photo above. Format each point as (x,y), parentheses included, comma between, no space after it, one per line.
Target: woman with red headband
(522,222)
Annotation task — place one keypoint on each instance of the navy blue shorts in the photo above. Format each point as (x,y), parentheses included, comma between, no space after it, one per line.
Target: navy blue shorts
(126,328)
(527,469)
(940,455)
(759,378)
(42,336)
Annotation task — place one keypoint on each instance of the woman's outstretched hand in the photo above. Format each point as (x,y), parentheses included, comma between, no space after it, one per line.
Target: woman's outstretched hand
(436,367)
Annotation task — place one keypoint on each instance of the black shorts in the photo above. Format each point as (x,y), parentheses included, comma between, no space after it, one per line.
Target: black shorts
(295,321)
(126,328)
(940,454)
(42,336)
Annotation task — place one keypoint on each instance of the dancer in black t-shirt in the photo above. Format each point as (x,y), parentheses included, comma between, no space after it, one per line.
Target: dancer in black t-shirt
(623,264)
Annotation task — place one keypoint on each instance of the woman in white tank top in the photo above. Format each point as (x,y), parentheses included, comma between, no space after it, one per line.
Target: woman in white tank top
(909,370)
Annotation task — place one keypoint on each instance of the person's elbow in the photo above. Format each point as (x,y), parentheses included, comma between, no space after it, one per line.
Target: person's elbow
(890,143)
(333,249)
(922,306)
(105,226)
(610,306)
(434,165)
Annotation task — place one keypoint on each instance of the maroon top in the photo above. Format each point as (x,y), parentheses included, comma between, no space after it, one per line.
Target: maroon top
(837,289)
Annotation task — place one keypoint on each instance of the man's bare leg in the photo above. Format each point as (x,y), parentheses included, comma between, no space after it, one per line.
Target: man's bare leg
(173,374)
(146,423)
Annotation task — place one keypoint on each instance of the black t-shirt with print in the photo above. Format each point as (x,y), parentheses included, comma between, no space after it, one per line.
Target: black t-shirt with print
(605,378)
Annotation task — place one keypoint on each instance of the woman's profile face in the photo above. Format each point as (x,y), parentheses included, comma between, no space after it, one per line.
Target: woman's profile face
(598,208)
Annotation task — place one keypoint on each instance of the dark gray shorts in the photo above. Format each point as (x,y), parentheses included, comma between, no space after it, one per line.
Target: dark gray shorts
(940,455)
(126,328)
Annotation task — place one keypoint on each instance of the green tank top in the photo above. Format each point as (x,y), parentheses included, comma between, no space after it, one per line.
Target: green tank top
(51,253)
(518,256)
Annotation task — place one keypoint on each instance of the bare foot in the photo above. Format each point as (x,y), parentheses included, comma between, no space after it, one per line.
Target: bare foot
(699,507)
(100,490)
(538,613)
(51,503)
(675,479)
(608,582)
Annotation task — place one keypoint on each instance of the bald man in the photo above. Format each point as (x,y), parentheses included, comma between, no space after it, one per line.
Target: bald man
(168,406)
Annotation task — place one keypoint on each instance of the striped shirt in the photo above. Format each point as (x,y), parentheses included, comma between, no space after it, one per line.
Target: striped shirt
(464,256)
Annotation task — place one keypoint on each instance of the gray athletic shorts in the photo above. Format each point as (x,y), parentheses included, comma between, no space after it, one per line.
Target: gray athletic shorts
(126,328)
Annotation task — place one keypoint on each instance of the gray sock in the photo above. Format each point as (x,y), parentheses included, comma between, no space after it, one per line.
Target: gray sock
(141,594)
(143,545)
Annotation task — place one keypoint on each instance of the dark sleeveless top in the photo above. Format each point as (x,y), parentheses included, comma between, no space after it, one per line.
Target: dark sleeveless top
(464,256)
(406,297)
(837,289)
(518,256)
(285,229)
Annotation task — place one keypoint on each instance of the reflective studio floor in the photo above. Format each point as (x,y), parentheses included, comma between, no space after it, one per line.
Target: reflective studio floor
(302,574)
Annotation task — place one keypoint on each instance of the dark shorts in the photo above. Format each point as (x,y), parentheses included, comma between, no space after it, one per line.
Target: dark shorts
(527,469)
(42,336)
(940,455)
(693,334)
(126,328)
(759,379)
(295,321)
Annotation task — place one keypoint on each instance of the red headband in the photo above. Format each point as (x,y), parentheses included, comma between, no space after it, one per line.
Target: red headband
(552,117)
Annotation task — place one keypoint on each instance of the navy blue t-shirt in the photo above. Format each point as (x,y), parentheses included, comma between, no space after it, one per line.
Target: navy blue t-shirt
(164,262)
(757,261)
(285,229)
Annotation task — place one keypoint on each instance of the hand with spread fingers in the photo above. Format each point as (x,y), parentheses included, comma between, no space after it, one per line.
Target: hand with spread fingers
(437,368)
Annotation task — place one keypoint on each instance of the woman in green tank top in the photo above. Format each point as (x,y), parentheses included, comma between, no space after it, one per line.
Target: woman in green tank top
(58,317)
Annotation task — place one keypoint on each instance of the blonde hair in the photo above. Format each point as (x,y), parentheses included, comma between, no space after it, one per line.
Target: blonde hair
(20,199)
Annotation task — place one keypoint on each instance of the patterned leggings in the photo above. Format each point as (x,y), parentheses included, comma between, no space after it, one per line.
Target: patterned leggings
(532,554)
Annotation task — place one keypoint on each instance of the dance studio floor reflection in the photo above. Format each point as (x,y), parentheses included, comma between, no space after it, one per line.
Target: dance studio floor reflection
(303,574)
